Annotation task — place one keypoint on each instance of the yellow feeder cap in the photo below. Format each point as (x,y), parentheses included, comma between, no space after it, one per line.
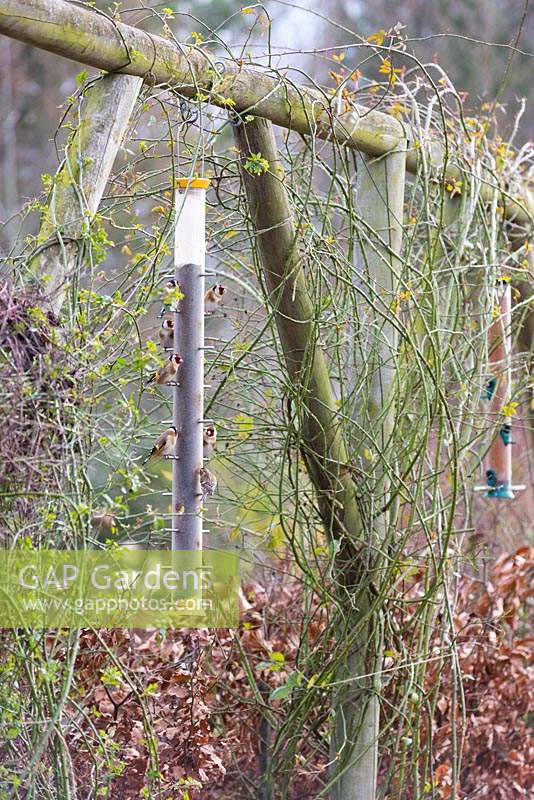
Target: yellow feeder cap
(193,183)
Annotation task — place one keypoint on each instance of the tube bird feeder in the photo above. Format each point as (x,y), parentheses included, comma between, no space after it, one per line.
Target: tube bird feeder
(188,393)
(498,392)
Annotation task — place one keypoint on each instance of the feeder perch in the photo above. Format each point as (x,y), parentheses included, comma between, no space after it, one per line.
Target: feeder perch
(503,491)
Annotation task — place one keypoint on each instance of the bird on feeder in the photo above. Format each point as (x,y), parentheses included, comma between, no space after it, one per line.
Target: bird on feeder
(166,333)
(506,434)
(213,297)
(209,441)
(489,390)
(164,444)
(491,478)
(171,295)
(167,372)
(208,483)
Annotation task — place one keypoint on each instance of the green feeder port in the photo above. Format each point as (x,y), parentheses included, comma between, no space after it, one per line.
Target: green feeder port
(496,489)
(502,492)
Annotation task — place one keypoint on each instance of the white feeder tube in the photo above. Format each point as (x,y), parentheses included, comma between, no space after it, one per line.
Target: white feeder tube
(188,396)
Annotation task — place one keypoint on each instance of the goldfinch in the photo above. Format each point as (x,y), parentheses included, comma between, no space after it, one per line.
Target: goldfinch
(166,333)
(167,372)
(103,521)
(164,445)
(213,297)
(171,295)
(210,441)
(208,483)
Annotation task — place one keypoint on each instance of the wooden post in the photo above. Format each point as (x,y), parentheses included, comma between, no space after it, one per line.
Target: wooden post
(379,202)
(188,395)
(323,448)
(80,182)
(325,453)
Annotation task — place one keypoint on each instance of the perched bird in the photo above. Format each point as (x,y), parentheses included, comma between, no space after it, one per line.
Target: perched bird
(208,483)
(167,372)
(164,445)
(171,294)
(506,433)
(489,391)
(103,521)
(213,297)
(210,441)
(166,333)
(491,478)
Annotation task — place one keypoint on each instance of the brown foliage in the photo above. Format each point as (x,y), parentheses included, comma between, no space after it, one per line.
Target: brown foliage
(36,395)
(496,658)
(209,718)
(206,715)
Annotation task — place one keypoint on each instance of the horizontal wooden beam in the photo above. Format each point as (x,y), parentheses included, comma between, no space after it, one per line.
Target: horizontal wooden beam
(87,36)
(90,37)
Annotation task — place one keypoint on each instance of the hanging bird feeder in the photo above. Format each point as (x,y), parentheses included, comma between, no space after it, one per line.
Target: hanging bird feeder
(497,392)
(188,392)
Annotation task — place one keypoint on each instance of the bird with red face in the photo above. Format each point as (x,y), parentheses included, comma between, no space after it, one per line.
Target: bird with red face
(209,441)
(168,372)
(166,333)
(164,444)
(213,297)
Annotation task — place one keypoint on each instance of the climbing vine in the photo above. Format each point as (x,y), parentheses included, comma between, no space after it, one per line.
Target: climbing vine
(154,714)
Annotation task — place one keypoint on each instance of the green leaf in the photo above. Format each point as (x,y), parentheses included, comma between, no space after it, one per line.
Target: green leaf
(245,425)
(111,676)
(256,164)
(281,692)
